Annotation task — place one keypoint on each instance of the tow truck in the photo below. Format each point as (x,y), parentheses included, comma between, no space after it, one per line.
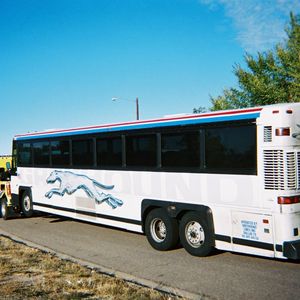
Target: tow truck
(7,207)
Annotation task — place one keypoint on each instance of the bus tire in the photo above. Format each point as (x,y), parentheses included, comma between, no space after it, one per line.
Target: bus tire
(195,235)
(4,209)
(26,204)
(162,231)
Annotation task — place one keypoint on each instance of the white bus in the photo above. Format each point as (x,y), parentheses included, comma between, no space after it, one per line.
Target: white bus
(228,179)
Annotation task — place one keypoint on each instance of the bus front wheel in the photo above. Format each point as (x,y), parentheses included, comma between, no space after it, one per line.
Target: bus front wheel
(195,236)
(161,230)
(26,204)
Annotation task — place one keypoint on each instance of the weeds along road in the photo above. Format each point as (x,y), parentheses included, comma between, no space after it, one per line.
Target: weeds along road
(223,275)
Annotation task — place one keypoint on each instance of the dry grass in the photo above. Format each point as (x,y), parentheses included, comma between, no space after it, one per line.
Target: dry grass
(27,273)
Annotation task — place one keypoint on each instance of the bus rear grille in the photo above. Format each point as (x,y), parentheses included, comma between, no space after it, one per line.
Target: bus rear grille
(298,170)
(291,171)
(281,170)
(274,169)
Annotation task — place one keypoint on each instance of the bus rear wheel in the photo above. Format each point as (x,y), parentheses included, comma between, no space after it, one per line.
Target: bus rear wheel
(161,230)
(195,235)
(26,204)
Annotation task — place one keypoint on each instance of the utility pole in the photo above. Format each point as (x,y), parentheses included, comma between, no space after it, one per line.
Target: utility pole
(137,108)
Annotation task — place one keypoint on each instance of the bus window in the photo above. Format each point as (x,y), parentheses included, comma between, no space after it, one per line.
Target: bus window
(109,152)
(82,153)
(24,154)
(231,149)
(141,151)
(180,150)
(60,153)
(41,153)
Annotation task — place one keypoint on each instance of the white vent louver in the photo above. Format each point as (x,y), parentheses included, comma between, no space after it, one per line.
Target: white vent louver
(274,169)
(291,171)
(298,170)
(267,134)
(281,170)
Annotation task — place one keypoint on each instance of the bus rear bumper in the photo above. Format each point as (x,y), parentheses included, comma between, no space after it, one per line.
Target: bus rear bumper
(291,249)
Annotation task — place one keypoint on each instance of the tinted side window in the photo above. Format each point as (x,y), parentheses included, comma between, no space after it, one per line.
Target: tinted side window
(141,151)
(109,152)
(60,153)
(180,150)
(41,153)
(231,148)
(82,153)
(24,156)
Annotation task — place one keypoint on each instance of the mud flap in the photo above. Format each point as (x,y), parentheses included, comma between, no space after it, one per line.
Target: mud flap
(292,249)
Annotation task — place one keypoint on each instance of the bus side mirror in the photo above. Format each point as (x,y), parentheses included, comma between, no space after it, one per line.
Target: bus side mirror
(8,165)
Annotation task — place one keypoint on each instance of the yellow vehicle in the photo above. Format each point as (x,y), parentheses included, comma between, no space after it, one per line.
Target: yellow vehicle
(5,191)
(4,160)
(5,197)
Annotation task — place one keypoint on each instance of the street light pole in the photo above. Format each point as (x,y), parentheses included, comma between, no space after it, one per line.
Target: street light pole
(136,105)
(137,108)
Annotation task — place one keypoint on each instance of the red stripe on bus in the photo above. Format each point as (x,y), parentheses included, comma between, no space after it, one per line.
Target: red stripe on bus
(195,116)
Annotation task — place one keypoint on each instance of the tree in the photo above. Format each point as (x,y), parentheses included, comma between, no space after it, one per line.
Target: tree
(271,77)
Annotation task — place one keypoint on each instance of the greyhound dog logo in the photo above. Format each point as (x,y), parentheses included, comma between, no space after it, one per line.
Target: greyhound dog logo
(71,182)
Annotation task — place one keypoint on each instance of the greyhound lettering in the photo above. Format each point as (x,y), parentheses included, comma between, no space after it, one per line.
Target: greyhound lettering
(71,182)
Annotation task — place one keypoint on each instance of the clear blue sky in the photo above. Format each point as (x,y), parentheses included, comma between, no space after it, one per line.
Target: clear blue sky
(61,61)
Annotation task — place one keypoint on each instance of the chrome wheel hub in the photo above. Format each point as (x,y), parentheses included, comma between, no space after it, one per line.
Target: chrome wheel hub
(194,234)
(158,230)
(27,203)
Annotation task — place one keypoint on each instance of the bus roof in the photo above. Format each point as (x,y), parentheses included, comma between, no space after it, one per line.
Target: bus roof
(192,119)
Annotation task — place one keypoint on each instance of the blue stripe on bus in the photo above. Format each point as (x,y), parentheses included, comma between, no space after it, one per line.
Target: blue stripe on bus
(144,126)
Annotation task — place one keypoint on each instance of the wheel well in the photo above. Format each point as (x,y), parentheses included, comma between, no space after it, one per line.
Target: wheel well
(182,213)
(177,210)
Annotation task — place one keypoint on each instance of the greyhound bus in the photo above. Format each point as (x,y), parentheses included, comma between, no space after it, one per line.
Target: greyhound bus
(228,180)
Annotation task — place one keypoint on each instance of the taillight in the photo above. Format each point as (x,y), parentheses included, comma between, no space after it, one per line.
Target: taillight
(288,200)
(8,189)
(282,131)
